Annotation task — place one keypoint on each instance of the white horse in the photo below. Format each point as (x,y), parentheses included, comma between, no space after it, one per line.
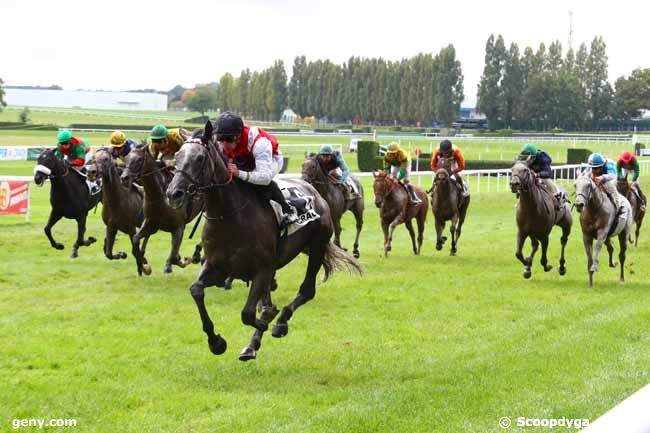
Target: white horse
(597,217)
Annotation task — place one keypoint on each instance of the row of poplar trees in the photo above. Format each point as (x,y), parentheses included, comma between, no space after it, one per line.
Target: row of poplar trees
(545,89)
(420,89)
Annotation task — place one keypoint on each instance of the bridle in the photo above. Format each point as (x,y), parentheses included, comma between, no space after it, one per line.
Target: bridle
(50,174)
(387,187)
(195,186)
(319,169)
(524,182)
(588,196)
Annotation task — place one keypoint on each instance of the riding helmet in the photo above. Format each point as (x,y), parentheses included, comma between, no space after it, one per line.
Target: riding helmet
(626,157)
(326,149)
(596,160)
(529,150)
(229,123)
(393,147)
(64,136)
(118,138)
(158,132)
(445,146)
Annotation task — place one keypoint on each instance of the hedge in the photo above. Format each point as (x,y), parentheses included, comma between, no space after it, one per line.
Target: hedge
(577,156)
(368,156)
(109,126)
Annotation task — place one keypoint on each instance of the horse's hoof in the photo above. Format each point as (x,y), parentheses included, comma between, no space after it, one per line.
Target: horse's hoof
(547,268)
(196,259)
(58,246)
(167,270)
(452,253)
(438,246)
(217,345)
(527,273)
(228,284)
(74,255)
(356,254)
(593,269)
(146,268)
(247,354)
(562,270)
(280,330)
(90,240)
(122,255)
(613,265)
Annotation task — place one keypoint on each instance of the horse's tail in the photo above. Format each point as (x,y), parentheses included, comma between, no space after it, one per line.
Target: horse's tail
(337,259)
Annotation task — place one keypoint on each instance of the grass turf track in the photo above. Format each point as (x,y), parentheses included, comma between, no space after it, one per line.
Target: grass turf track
(419,344)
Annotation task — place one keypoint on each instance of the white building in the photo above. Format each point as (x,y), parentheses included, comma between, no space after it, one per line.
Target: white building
(85,99)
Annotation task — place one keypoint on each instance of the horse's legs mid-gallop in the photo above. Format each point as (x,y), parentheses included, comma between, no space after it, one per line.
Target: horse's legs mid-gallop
(455,230)
(566,230)
(81,242)
(387,247)
(109,242)
(259,293)
(174,256)
(588,243)
(600,240)
(544,260)
(440,239)
(196,256)
(208,277)
(409,226)
(307,289)
(622,243)
(337,232)
(358,216)
(610,252)
(145,231)
(54,218)
(528,261)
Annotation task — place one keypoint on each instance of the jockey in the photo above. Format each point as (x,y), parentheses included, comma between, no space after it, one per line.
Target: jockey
(604,173)
(397,163)
(254,157)
(77,153)
(626,163)
(336,167)
(540,162)
(166,142)
(120,146)
(456,162)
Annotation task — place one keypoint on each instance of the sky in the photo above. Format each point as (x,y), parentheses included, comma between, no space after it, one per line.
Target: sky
(123,45)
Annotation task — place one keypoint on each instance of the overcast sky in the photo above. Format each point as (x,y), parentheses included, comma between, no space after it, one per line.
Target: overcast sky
(120,45)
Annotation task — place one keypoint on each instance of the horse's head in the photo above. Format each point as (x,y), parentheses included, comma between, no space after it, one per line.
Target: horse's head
(310,169)
(520,178)
(47,165)
(441,175)
(134,163)
(584,187)
(382,186)
(197,164)
(103,160)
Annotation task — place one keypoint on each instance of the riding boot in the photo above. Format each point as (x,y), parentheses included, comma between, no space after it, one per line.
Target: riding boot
(347,193)
(414,198)
(290,214)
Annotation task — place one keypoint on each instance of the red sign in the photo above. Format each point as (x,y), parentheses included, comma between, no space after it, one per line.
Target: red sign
(14,197)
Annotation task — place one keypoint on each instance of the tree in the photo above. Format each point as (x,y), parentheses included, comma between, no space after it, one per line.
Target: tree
(226,92)
(203,100)
(512,87)
(449,86)
(244,88)
(24,116)
(632,94)
(489,91)
(2,95)
(598,90)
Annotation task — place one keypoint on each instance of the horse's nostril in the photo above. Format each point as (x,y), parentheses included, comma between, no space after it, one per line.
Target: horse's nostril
(177,194)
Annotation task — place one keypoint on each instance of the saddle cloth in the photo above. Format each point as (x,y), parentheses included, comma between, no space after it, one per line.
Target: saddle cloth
(303,203)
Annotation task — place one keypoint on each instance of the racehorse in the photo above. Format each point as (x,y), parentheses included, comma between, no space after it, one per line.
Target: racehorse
(241,240)
(600,221)
(626,190)
(536,216)
(447,203)
(69,197)
(158,215)
(392,199)
(121,207)
(313,172)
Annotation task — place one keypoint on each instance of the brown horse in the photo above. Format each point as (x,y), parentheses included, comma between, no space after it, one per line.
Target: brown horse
(122,207)
(597,218)
(158,215)
(447,203)
(627,190)
(536,216)
(241,240)
(393,202)
(313,172)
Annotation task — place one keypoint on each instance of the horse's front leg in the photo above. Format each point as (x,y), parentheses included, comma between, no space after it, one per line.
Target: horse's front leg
(521,238)
(454,234)
(387,247)
(622,244)
(268,311)
(566,230)
(600,240)
(81,231)
(358,216)
(391,228)
(440,239)
(610,252)
(109,242)
(174,257)
(544,260)
(409,226)
(588,243)
(145,231)
(337,231)
(209,276)
(54,218)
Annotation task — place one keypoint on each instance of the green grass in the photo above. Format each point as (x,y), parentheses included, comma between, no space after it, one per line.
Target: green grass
(418,344)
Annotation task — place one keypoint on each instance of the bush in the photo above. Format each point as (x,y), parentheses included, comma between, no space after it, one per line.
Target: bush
(323,130)
(110,126)
(638,147)
(368,156)
(557,130)
(361,130)
(24,116)
(577,156)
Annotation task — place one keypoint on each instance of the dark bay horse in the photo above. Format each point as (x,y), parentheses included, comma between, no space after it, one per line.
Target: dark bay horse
(627,190)
(597,214)
(121,207)
(158,214)
(447,204)
(536,216)
(241,240)
(313,172)
(394,209)
(69,196)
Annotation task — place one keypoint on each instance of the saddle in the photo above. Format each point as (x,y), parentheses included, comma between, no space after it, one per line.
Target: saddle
(303,203)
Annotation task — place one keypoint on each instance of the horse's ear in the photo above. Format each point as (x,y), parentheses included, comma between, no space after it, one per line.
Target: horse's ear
(207,132)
